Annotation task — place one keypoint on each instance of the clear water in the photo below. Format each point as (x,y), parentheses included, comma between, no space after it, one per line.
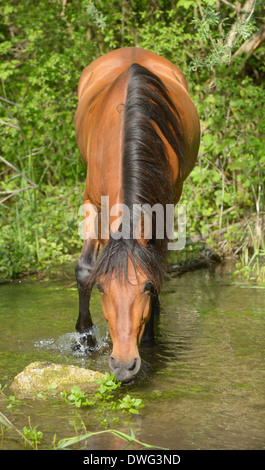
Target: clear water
(203,381)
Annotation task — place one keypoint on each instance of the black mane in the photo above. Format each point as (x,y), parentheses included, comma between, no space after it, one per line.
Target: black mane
(146,172)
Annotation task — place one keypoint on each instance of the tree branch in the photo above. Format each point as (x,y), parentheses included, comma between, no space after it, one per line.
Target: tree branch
(18,171)
(8,124)
(247,9)
(251,43)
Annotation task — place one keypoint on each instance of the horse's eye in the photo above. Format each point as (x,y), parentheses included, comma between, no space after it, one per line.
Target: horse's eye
(100,288)
(148,286)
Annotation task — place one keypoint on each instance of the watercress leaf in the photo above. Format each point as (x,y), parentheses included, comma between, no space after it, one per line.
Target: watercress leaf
(102,389)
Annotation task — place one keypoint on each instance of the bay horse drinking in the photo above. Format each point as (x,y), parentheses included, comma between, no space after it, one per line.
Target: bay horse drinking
(137,130)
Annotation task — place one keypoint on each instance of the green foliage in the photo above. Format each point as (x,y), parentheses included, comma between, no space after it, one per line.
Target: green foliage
(40,229)
(78,398)
(13,401)
(104,398)
(229,179)
(43,51)
(44,46)
(251,265)
(219,42)
(130,404)
(32,435)
(107,385)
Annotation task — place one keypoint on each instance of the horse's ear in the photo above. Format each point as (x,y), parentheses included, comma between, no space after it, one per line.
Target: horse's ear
(143,230)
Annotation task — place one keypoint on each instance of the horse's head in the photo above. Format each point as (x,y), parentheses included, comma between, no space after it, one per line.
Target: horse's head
(126,305)
(128,277)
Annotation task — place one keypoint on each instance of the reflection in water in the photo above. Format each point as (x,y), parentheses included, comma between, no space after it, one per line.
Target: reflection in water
(202,380)
(209,365)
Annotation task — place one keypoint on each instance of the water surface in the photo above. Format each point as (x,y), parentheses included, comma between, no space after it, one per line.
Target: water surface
(202,381)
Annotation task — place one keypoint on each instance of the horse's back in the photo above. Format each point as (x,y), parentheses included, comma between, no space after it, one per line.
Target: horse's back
(96,86)
(102,71)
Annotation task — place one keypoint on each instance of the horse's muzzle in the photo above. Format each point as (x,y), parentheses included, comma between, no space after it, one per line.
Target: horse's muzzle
(125,371)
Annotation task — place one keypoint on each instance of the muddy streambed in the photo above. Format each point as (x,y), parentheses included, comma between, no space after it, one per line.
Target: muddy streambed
(203,381)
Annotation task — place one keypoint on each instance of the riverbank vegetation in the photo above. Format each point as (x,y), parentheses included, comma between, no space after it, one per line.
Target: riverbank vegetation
(45,45)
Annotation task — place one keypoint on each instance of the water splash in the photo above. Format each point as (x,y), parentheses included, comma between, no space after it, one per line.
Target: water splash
(77,344)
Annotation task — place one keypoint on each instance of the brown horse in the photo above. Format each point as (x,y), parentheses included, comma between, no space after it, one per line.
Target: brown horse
(137,130)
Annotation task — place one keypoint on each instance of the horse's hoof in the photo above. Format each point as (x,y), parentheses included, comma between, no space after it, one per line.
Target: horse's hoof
(86,342)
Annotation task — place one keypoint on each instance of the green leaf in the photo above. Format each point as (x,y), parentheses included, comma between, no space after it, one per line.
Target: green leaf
(102,389)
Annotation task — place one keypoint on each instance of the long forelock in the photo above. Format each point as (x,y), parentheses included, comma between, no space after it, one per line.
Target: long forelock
(114,259)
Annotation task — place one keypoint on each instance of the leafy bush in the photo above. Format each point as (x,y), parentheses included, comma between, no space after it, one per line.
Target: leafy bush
(45,46)
(39,229)
(224,187)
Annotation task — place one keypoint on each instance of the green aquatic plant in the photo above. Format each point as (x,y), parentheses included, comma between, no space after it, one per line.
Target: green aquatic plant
(132,405)
(78,398)
(13,401)
(32,435)
(104,397)
(107,385)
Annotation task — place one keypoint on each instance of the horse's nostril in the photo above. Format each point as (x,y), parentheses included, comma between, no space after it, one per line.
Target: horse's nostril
(113,362)
(132,367)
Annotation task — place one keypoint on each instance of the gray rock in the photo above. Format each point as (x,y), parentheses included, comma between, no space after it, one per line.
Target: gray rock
(40,377)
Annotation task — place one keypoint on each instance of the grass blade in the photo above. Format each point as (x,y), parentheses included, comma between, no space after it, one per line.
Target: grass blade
(5,421)
(74,440)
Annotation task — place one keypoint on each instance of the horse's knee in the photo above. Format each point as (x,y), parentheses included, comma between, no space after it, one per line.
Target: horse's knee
(86,262)
(82,271)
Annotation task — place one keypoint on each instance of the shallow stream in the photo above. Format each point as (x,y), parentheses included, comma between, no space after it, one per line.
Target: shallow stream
(203,382)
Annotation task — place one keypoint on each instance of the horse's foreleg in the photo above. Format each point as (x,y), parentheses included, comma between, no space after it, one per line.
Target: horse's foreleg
(83,270)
